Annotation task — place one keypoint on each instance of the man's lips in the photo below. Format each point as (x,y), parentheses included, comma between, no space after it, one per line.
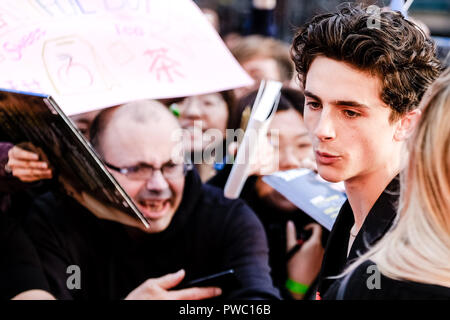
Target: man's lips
(154,209)
(325,158)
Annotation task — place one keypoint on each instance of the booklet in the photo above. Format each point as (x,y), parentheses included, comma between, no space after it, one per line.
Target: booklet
(318,198)
(30,117)
(264,108)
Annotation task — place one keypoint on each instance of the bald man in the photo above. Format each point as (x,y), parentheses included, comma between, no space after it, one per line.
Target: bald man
(194,231)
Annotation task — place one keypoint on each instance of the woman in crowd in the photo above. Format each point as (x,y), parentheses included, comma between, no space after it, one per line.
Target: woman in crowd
(205,119)
(282,220)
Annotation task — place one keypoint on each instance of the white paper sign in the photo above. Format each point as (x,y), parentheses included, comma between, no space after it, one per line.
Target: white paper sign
(91,54)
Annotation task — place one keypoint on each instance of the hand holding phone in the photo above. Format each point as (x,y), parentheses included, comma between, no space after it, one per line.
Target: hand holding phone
(226,280)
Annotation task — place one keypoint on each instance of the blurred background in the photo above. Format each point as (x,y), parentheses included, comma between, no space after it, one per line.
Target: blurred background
(235,16)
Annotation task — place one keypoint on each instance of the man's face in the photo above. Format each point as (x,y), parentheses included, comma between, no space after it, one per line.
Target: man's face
(294,147)
(259,68)
(126,144)
(347,121)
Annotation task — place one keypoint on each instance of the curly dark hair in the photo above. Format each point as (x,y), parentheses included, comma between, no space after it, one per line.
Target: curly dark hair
(397,51)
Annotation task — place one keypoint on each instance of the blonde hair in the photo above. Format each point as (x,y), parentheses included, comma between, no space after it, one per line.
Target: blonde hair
(417,248)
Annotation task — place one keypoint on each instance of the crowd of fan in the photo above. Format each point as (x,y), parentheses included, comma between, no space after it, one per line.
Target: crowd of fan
(369,107)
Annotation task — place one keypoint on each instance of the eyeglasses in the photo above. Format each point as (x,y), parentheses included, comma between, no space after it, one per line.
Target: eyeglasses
(170,171)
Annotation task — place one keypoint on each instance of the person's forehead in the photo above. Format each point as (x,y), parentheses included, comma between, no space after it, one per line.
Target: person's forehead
(85,117)
(137,142)
(259,58)
(288,122)
(332,80)
(214,95)
(260,63)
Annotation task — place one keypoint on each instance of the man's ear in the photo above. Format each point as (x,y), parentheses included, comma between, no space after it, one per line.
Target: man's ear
(407,124)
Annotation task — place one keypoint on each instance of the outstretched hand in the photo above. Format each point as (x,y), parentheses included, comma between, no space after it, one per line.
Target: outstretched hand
(159,289)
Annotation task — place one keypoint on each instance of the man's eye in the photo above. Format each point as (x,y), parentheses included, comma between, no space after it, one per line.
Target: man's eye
(313,105)
(351,114)
(134,169)
(170,166)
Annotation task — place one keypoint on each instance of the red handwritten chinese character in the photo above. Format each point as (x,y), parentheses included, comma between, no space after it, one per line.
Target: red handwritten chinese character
(163,65)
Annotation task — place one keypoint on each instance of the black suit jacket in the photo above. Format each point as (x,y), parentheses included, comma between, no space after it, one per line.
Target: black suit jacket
(377,223)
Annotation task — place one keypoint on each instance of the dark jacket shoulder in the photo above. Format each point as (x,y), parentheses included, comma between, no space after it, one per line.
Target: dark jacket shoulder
(378,221)
(366,282)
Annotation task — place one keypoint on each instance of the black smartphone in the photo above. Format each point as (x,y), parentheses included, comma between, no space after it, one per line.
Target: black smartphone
(225,280)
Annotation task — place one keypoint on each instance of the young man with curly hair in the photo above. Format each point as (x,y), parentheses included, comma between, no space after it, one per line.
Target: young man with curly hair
(363,82)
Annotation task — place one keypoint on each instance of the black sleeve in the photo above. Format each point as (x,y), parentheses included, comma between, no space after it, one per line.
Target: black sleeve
(4,149)
(20,268)
(247,252)
(48,239)
(366,282)
(358,285)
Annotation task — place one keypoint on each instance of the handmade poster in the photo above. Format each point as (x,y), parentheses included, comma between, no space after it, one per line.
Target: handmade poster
(91,54)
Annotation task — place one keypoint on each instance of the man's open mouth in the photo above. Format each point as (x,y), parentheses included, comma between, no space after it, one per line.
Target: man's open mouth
(154,208)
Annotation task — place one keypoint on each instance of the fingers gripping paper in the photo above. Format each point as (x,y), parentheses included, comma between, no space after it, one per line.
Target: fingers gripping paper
(90,54)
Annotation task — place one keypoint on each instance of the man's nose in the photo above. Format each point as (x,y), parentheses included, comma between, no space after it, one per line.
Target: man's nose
(157,182)
(325,129)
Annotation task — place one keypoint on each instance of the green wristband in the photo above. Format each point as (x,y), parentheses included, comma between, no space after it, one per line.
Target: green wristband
(296,287)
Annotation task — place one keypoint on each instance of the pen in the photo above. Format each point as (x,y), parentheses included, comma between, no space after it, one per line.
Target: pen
(294,249)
